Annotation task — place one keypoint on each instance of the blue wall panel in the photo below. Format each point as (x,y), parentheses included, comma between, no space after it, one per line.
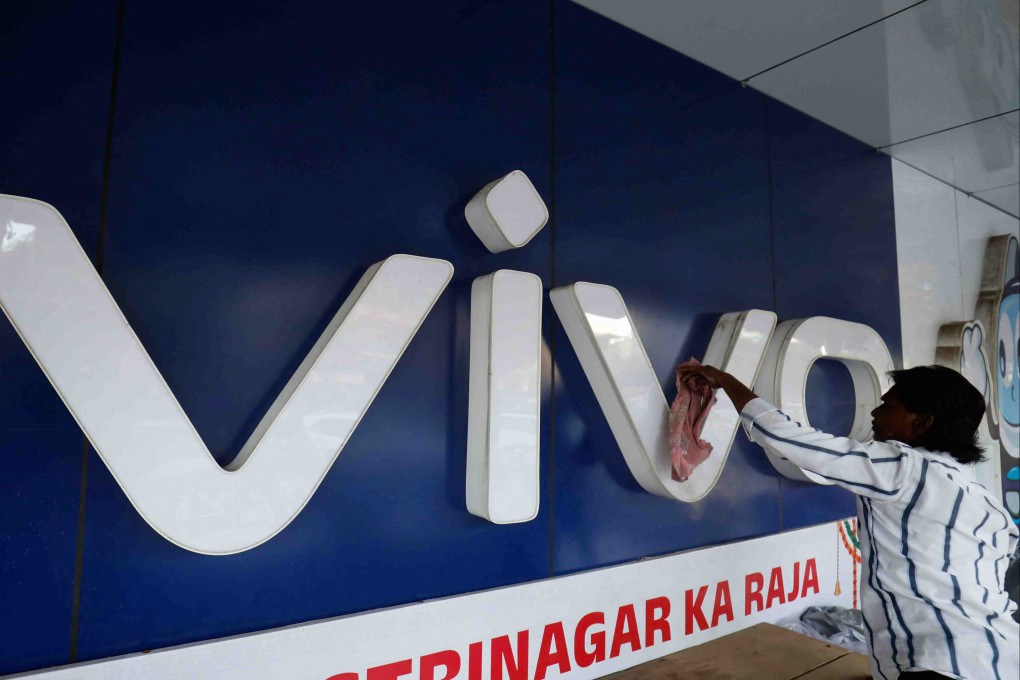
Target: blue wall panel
(662,192)
(262,162)
(832,211)
(55,73)
(265,155)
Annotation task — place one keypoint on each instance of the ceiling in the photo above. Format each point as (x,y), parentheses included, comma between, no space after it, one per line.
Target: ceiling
(933,83)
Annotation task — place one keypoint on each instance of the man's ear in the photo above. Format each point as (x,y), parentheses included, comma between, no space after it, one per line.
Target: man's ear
(922,423)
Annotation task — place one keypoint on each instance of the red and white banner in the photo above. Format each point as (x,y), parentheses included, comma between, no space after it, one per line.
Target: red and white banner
(579,626)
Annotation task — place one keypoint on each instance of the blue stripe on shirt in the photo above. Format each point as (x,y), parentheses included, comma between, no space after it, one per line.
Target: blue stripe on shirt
(994,615)
(872,578)
(995,545)
(995,653)
(1005,527)
(949,529)
(956,595)
(999,511)
(981,554)
(853,453)
(912,573)
(888,460)
(945,557)
(946,465)
(906,549)
(858,484)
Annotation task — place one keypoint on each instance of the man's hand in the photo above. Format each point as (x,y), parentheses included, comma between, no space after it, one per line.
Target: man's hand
(701,375)
(738,393)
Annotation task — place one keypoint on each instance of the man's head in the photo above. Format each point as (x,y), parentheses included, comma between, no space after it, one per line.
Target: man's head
(933,407)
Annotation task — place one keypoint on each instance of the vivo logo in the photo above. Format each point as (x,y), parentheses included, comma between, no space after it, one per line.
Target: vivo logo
(68,320)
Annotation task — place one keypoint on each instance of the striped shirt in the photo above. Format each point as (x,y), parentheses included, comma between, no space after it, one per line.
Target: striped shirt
(934,549)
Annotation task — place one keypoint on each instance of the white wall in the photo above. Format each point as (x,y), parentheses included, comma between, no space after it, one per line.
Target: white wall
(941,235)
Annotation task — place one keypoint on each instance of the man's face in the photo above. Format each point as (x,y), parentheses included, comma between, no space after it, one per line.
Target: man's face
(892,421)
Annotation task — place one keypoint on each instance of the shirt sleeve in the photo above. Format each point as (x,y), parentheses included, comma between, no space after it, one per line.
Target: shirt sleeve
(879,470)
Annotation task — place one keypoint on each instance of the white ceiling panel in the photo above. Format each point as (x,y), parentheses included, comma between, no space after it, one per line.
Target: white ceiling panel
(940,64)
(976,157)
(743,37)
(934,83)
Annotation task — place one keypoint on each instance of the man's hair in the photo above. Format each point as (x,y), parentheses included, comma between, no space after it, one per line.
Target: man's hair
(956,408)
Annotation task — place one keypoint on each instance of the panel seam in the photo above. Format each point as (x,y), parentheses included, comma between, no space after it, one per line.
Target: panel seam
(104,202)
(79,552)
(825,44)
(552,284)
(959,253)
(772,253)
(951,127)
(956,189)
(981,191)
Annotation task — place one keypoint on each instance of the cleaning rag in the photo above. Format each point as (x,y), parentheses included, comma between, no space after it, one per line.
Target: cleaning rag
(686,417)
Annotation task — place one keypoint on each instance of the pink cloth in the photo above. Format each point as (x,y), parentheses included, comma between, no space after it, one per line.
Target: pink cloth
(686,418)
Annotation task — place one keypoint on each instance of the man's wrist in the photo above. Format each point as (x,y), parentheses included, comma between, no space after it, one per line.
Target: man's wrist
(739,393)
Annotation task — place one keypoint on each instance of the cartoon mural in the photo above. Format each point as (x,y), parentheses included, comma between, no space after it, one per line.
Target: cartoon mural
(986,351)
(1007,377)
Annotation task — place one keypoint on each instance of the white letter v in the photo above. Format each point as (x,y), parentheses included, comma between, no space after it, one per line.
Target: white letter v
(67,318)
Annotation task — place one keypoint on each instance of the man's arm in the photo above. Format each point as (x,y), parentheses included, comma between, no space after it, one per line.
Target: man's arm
(737,391)
(876,469)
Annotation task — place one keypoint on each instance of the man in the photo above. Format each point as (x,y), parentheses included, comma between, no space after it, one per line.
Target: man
(934,542)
